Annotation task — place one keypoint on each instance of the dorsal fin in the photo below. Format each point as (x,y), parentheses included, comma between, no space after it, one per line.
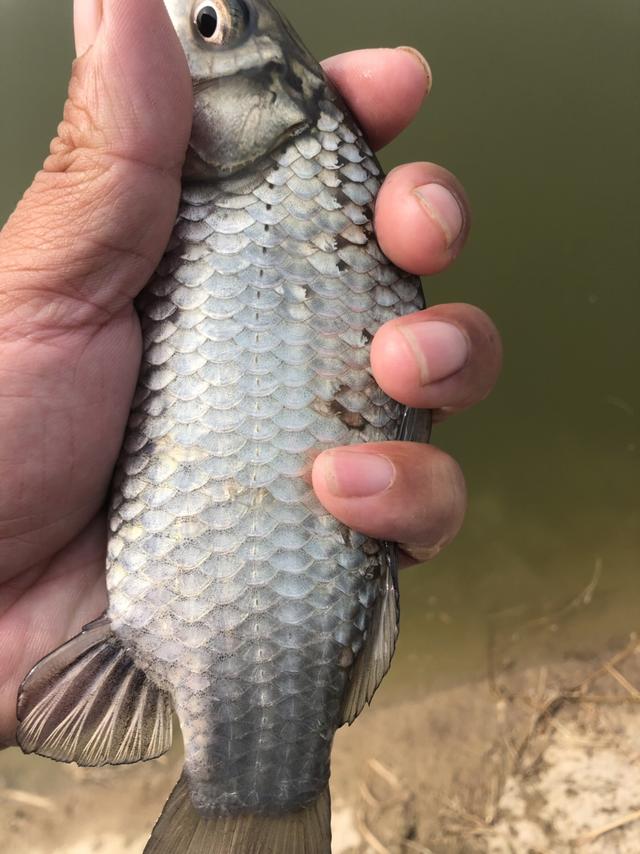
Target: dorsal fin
(87,702)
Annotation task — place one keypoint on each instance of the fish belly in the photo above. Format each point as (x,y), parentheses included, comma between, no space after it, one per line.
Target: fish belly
(229,584)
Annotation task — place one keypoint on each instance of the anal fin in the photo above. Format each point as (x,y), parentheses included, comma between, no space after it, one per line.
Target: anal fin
(374,659)
(182,829)
(88,703)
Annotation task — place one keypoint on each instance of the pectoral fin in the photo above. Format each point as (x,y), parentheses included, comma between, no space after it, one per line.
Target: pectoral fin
(87,702)
(374,659)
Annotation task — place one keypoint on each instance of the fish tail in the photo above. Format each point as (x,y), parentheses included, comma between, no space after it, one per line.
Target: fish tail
(182,829)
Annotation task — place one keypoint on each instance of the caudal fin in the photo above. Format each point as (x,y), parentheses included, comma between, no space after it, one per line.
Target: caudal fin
(181,829)
(88,703)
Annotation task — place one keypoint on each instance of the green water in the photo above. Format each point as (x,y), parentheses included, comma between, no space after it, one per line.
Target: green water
(536,108)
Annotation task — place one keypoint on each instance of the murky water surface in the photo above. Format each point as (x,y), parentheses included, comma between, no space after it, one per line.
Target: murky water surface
(535,107)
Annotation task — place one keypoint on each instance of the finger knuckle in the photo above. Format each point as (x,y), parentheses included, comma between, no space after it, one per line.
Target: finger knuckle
(79,135)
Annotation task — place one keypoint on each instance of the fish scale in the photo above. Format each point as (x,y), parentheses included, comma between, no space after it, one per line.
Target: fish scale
(275,331)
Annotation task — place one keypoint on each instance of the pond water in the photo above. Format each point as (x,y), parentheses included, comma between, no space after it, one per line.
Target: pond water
(535,107)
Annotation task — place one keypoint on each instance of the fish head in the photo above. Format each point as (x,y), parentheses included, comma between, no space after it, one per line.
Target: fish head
(255,84)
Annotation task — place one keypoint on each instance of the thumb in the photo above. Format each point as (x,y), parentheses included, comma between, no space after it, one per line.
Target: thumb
(92,227)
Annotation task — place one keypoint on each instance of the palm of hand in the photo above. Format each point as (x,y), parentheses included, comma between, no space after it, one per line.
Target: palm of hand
(71,419)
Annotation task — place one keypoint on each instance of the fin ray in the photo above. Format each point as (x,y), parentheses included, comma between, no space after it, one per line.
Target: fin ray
(181,828)
(87,702)
(374,659)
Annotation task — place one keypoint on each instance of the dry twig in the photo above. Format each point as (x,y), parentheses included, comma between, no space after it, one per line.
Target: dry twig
(623,681)
(632,647)
(414,846)
(384,772)
(27,799)
(616,824)
(367,834)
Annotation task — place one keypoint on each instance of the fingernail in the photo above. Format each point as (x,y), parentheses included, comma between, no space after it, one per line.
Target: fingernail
(443,207)
(353,474)
(87,17)
(439,348)
(421,61)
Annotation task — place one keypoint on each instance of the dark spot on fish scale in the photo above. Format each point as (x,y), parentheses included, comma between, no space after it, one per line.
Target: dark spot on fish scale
(342,242)
(341,198)
(342,266)
(266,228)
(321,406)
(368,337)
(371,547)
(269,206)
(367,210)
(352,420)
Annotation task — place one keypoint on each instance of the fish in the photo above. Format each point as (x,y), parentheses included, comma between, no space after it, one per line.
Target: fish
(236,602)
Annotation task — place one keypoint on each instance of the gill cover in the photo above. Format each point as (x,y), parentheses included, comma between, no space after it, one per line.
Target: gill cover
(255,85)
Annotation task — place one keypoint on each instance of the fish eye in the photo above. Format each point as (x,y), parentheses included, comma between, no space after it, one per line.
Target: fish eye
(206,21)
(219,22)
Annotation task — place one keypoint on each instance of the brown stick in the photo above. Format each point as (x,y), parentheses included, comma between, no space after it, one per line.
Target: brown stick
(368,835)
(27,799)
(623,681)
(586,838)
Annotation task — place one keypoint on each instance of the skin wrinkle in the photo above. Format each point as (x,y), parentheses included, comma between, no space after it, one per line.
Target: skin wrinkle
(16,585)
(54,569)
(86,598)
(118,184)
(88,262)
(56,325)
(65,391)
(81,518)
(79,134)
(95,320)
(73,141)
(21,536)
(67,280)
(34,532)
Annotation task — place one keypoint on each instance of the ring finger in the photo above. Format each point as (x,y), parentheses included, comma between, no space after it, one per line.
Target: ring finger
(405,492)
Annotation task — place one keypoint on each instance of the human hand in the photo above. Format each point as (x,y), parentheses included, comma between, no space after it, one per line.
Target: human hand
(81,245)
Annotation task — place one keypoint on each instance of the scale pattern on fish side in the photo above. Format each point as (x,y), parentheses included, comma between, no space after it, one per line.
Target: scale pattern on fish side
(229,584)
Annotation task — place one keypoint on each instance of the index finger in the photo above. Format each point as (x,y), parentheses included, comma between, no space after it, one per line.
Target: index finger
(384,88)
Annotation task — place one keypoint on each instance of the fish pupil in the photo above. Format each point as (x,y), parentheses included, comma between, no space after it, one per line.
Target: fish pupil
(207,22)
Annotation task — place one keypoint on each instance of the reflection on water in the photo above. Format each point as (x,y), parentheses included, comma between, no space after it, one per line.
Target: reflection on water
(534,106)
